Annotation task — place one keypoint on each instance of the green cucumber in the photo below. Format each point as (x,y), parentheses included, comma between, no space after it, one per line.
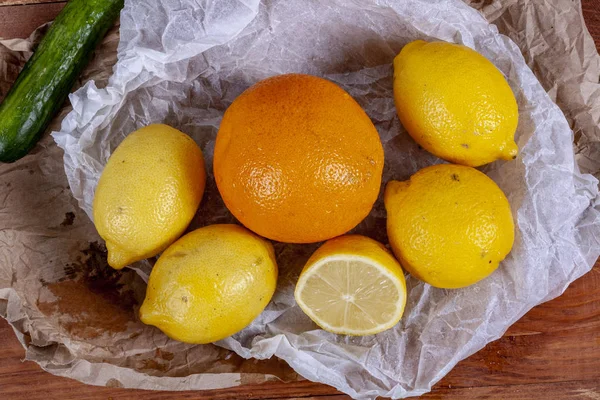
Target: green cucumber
(47,78)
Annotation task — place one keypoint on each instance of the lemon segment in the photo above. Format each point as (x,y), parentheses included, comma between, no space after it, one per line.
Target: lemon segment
(352,285)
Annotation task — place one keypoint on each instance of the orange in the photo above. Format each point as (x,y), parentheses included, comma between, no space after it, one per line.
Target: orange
(297,160)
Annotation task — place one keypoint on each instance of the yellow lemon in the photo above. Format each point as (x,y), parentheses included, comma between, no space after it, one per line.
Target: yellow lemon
(353,286)
(148,193)
(449,225)
(210,284)
(455,103)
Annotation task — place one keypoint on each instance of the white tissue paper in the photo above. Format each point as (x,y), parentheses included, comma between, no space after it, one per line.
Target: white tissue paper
(182,62)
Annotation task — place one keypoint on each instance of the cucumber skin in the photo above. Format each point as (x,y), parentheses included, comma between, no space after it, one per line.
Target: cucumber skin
(47,78)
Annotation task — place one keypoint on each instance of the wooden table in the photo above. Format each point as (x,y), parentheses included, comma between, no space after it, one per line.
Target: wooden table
(552,352)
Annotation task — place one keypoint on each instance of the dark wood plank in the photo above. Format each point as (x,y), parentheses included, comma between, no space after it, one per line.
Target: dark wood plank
(20,21)
(329,397)
(591,14)
(574,390)
(24,2)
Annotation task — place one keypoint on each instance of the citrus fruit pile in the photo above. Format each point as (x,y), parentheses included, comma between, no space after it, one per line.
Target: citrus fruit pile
(297,160)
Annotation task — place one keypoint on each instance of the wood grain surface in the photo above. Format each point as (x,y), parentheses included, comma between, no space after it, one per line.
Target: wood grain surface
(552,352)
(18,21)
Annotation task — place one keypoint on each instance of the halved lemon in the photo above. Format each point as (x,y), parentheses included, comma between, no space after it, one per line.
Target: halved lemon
(352,285)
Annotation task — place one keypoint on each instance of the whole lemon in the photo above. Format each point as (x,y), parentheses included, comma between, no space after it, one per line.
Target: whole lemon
(210,284)
(297,159)
(455,103)
(148,193)
(449,225)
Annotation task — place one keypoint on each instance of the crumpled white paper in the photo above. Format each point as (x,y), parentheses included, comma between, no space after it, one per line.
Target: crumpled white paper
(183,62)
